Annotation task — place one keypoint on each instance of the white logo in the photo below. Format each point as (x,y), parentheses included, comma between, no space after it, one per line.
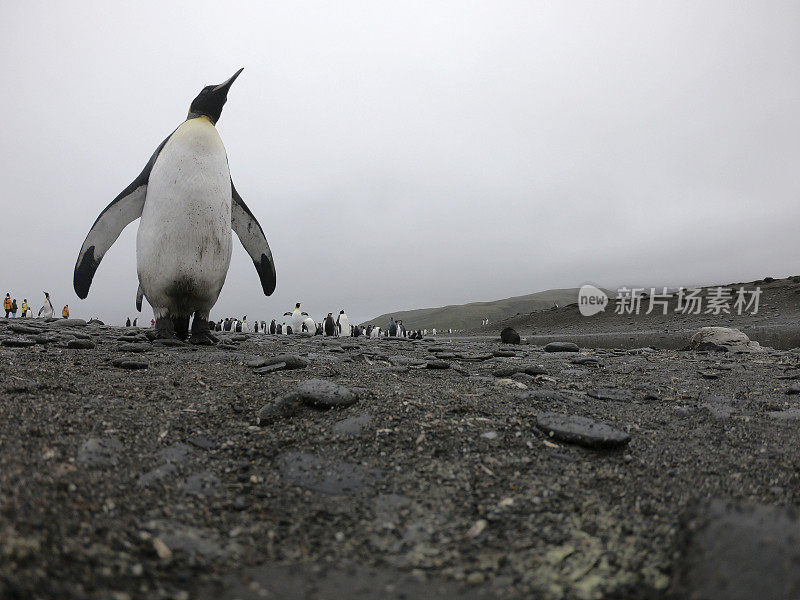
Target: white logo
(591,300)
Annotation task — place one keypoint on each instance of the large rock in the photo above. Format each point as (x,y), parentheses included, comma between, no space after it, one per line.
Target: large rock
(509,336)
(321,393)
(723,339)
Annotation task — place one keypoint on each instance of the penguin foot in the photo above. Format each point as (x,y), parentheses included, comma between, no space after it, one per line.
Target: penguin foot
(203,338)
(165,329)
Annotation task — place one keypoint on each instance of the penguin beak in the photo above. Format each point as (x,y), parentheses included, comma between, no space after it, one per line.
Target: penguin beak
(224,87)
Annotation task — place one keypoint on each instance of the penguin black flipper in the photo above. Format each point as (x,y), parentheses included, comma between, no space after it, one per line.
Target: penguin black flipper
(139,295)
(123,210)
(255,243)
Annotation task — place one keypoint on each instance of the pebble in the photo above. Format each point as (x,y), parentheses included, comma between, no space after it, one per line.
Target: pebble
(282,408)
(613,394)
(561,347)
(81,344)
(129,363)
(437,364)
(579,430)
(100,452)
(18,342)
(321,393)
(352,425)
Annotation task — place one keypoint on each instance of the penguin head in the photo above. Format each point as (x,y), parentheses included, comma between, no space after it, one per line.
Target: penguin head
(211,99)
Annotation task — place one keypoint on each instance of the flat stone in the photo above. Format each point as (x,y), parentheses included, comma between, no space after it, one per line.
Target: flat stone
(504,353)
(61,323)
(280,366)
(543,395)
(738,552)
(240,337)
(790,414)
(256,362)
(135,347)
(24,329)
(579,430)
(584,360)
(321,393)
(129,363)
(100,452)
(509,370)
(292,361)
(352,425)
(18,342)
(561,347)
(332,477)
(437,364)
(611,394)
(169,342)
(81,344)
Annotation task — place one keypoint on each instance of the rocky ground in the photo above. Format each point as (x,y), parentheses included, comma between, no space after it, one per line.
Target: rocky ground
(295,467)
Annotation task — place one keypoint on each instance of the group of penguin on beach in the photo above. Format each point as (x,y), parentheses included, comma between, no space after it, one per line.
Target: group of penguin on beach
(188,205)
(301,322)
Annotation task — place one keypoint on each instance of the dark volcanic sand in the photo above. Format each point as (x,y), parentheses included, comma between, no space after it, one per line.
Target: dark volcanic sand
(437,483)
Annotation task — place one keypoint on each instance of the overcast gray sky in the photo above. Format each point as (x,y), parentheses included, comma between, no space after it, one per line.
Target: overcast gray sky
(414,154)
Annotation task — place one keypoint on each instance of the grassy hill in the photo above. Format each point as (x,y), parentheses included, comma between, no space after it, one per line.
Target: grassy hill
(469,316)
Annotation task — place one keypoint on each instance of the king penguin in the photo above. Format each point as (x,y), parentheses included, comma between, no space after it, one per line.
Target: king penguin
(188,205)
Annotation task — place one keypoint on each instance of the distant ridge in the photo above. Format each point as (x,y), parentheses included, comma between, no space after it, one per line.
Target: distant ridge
(470,316)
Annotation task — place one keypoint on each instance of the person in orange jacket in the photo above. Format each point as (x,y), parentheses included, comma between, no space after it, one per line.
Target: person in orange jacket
(7,304)
(65,311)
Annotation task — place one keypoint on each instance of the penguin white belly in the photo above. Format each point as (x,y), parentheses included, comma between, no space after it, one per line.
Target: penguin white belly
(183,247)
(297,321)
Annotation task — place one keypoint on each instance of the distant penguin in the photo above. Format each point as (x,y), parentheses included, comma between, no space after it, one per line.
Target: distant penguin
(376,332)
(273,328)
(227,325)
(238,327)
(356,331)
(47,310)
(245,325)
(128,322)
(330,326)
(297,318)
(255,326)
(320,330)
(434,331)
(309,325)
(134,321)
(344,324)
(288,329)
(279,329)
(188,205)
(392,327)
(368,332)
